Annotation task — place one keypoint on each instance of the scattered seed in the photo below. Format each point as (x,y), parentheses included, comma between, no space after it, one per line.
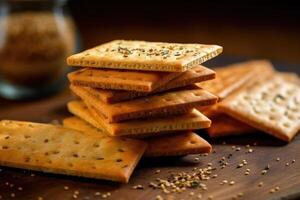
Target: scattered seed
(263,172)
(277,188)
(196,159)
(214,176)
(104,196)
(231,183)
(240,165)
(209,164)
(192,193)
(13,195)
(250,150)
(158,197)
(287,164)
(66,187)
(199,196)
(97,193)
(76,192)
(293,161)
(240,194)
(272,190)
(210,197)
(247,173)
(157,171)
(40,198)
(233,147)
(238,149)
(138,187)
(260,184)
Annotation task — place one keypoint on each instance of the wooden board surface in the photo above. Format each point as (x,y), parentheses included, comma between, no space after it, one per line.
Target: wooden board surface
(29,185)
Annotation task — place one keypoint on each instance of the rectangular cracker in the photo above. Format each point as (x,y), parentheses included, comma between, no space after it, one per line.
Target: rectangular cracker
(271,105)
(54,149)
(147,127)
(142,55)
(224,125)
(121,79)
(189,77)
(230,78)
(159,105)
(178,144)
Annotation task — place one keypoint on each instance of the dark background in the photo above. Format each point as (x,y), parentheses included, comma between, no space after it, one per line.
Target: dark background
(251,29)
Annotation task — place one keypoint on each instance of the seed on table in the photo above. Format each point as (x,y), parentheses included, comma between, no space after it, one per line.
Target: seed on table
(97,193)
(196,159)
(157,171)
(158,197)
(210,197)
(260,184)
(240,194)
(250,150)
(247,173)
(293,161)
(263,172)
(277,159)
(199,196)
(231,183)
(40,198)
(66,187)
(287,164)
(20,188)
(191,193)
(13,195)
(240,165)
(277,188)
(272,190)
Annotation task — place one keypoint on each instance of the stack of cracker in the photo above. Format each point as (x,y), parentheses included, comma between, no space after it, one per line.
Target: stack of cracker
(144,91)
(254,96)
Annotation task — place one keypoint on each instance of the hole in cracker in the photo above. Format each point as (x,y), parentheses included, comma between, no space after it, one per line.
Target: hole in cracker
(55,152)
(6,137)
(49,161)
(27,159)
(193,142)
(75,155)
(93,167)
(46,154)
(5,147)
(46,140)
(27,136)
(76,142)
(124,166)
(70,164)
(197,94)
(121,150)
(99,158)
(119,160)
(272,118)
(96,145)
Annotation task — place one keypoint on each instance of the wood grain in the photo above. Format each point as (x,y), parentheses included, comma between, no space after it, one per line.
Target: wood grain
(266,152)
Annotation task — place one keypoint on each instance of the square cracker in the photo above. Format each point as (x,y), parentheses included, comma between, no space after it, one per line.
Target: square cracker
(147,127)
(271,105)
(189,77)
(55,149)
(142,55)
(224,125)
(230,78)
(158,105)
(121,79)
(182,143)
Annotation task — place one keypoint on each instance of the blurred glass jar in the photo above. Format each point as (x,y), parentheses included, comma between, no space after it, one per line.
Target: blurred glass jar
(36,36)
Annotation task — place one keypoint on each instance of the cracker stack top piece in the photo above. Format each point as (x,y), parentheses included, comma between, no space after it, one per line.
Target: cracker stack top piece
(142,55)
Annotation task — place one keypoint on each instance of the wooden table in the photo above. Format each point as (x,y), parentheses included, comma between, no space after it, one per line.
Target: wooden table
(29,185)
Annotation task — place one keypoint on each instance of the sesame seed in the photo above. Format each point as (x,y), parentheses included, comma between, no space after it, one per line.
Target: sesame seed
(13,195)
(238,149)
(272,190)
(231,183)
(240,165)
(210,197)
(233,147)
(199,196)
(263,172)
(75,196)
(240,194)
(40,198)
(104,196)
(20,188)
(293,161)
(277,159)
(247,173)
(214,176)
(66,187)
(287,164)
(247,146)
(260,184)
(196,159)
(277,188)
(76,192)
(158,197)
(157,171)
(250,150)
(209,164)
(192,193)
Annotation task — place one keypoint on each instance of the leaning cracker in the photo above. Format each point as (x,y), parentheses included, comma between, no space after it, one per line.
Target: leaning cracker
(272,106)
(230,78)
(142,55)
(159,105)
(189,77)
(178,144)
(147,127)
(55,149)
(224,125)
(121,79)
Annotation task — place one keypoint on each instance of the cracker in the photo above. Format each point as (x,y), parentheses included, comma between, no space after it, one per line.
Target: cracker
(177,145)
(230,78)
(121,79)
(54,149)
(272,105)
(142,55)
(147,127)
(182,143)
(191,76)
(224,125)
(159,105)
